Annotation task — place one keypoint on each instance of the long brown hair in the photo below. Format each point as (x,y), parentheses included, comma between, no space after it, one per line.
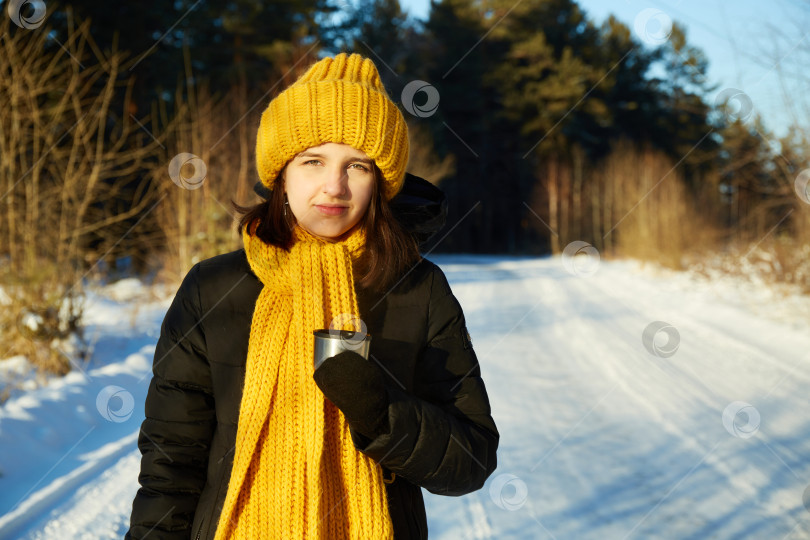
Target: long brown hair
(390,250)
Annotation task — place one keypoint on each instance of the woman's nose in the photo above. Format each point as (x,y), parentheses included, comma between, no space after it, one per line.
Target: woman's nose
(335,182)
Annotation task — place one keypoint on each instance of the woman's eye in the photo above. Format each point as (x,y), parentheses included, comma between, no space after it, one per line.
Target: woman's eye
(359,166)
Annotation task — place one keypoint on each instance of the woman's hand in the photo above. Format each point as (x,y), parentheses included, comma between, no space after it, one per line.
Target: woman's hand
(357,387)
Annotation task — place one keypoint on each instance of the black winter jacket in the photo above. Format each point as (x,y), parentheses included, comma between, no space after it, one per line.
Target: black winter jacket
(442,436)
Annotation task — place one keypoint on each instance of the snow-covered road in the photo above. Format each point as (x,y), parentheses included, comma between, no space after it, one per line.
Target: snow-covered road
(631,404)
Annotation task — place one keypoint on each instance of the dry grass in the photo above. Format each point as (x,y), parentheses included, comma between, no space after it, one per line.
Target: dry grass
(651,216)
(61,164)
(631,204)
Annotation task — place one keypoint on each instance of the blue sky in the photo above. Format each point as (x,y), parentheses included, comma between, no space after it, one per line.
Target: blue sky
(737,37)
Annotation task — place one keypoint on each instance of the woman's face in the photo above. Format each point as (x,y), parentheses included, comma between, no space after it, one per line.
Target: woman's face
(329,188)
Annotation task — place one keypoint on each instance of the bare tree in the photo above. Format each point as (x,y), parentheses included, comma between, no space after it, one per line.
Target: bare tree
(65,154)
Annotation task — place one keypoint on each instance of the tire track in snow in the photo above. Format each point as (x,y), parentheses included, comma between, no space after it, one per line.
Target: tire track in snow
(31,510)
(599,340)
(536,287)
(718,337)
(476,515)
(98,510)
(656,384)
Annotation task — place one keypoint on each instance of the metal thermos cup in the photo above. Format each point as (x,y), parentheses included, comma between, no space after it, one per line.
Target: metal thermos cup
(329,343)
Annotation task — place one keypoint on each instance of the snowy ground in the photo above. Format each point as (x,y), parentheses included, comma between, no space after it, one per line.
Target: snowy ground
(632,403)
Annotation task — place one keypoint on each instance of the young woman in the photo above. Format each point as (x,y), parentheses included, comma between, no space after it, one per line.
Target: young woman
(243,437)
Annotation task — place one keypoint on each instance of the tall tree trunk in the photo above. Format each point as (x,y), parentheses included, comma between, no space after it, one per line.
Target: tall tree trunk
(564,196)
(578,215)
(553,202)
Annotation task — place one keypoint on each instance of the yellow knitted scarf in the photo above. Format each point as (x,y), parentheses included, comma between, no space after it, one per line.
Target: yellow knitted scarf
(296,473)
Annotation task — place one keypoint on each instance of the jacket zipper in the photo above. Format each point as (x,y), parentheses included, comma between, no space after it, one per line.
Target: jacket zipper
(199,531)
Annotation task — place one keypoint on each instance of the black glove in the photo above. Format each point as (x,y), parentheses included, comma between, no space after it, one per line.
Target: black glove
(356,386)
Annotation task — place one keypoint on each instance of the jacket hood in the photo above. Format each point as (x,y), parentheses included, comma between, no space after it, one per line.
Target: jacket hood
(419,206)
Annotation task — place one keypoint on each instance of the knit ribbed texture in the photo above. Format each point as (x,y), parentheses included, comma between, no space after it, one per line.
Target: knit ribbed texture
(339,100)
(296,473)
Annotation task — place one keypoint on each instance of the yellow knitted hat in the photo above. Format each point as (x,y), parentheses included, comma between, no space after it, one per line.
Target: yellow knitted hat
(340,100)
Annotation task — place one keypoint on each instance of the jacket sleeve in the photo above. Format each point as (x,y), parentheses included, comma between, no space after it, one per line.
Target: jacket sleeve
(443,437)
(175,436)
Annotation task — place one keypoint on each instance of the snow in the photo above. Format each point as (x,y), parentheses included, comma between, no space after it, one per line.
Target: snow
(14,367)
(611,425)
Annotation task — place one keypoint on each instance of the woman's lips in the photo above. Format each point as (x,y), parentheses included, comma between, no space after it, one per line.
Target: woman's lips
(331,210)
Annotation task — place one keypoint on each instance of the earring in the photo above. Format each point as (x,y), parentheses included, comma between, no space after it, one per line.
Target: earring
(286,204)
